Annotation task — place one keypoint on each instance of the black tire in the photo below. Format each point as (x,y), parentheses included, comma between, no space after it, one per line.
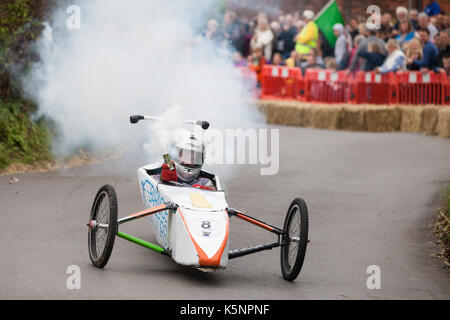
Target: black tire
(293,252)
(101,240)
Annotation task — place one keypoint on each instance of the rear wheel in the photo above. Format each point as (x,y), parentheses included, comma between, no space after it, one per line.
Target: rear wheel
(293,248)
(102,226)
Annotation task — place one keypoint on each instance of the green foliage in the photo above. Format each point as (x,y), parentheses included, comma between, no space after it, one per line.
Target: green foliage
(22,140)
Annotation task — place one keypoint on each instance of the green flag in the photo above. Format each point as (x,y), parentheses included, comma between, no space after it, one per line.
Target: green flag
(327,18)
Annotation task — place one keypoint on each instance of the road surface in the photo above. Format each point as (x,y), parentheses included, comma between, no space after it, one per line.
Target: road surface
(371,199)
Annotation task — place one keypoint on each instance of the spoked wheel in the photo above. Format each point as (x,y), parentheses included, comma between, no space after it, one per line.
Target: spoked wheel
(103,226)
(293,247)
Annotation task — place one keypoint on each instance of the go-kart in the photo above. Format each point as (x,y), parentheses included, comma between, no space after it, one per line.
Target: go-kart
(191,225)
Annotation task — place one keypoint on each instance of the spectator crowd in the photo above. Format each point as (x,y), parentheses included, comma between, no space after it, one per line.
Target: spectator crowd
(406,40)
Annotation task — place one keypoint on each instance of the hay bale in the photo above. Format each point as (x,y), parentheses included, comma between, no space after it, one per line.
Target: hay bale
(382,118)
(323,116)
(411,118)
(443,123)
(429,119)
(282,112)
(351,117)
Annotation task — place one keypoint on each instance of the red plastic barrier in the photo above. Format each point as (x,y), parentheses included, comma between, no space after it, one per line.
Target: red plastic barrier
(376,88)
(447,92)
(281,83)
(416,87)
(327,86)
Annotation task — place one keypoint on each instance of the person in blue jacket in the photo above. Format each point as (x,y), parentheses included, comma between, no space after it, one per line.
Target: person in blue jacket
(432,8)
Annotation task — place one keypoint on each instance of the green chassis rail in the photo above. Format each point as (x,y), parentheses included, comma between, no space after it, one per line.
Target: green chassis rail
(143,243)
(141,214)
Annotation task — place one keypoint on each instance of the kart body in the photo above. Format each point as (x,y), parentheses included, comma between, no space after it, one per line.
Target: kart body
(198,234)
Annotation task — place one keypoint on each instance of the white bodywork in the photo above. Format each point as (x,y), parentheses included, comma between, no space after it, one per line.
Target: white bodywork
(197,233)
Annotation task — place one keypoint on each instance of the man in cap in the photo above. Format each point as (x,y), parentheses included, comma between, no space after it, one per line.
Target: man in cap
(308,37)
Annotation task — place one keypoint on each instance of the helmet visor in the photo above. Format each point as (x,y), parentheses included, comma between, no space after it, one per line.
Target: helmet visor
(190,158)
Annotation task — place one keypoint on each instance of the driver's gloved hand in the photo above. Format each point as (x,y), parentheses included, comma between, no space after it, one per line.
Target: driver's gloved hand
(167,174)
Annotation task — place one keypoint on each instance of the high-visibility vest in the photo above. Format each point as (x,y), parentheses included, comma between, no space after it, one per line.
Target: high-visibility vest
(310,28)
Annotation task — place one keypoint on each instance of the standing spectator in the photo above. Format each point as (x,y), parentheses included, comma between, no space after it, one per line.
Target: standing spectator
(386,21)
(406,32)
(395,60)
(432,8)
(353,28)
(446,21)
(343,43)
(440,21)
(424,23)
(262,38)
(401,14)
(287,35)
(374,56)
(429,49)
(212,32)
(277,46)
(442,41)
(414,16)
(232,31)
(363,46)
(248,31)
(345,63)
(308,37)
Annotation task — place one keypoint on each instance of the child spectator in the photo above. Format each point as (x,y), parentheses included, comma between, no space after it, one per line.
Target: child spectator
(374,56)
(313,61)
(292,61)
(257,62)
(277,59)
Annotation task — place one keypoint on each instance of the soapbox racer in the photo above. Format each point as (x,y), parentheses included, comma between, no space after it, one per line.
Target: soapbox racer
(191,225)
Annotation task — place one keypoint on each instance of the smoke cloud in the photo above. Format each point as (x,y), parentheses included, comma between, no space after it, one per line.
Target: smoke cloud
(138,57)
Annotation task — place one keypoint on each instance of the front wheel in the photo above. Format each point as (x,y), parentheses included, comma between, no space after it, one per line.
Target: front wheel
(103,226)
(295,239)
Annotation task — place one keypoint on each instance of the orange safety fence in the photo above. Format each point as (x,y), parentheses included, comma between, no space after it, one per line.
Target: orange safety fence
(330,86)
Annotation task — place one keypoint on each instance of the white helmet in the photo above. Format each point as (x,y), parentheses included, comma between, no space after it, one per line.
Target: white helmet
(188,153)
(308,14)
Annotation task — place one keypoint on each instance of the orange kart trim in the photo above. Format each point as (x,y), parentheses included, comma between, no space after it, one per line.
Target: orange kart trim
(146,212)
(255,222)
(203,259)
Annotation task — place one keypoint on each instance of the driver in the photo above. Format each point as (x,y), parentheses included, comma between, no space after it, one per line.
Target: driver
(188,155)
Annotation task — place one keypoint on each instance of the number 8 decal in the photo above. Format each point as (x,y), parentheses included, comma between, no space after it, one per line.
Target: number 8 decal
(206,224)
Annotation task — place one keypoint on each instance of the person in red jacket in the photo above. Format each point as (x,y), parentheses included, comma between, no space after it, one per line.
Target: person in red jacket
(257,62)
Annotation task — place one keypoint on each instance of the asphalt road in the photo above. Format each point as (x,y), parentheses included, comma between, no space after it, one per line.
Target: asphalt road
(370,197)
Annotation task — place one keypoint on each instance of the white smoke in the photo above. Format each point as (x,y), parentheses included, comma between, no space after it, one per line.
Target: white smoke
(134,57)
